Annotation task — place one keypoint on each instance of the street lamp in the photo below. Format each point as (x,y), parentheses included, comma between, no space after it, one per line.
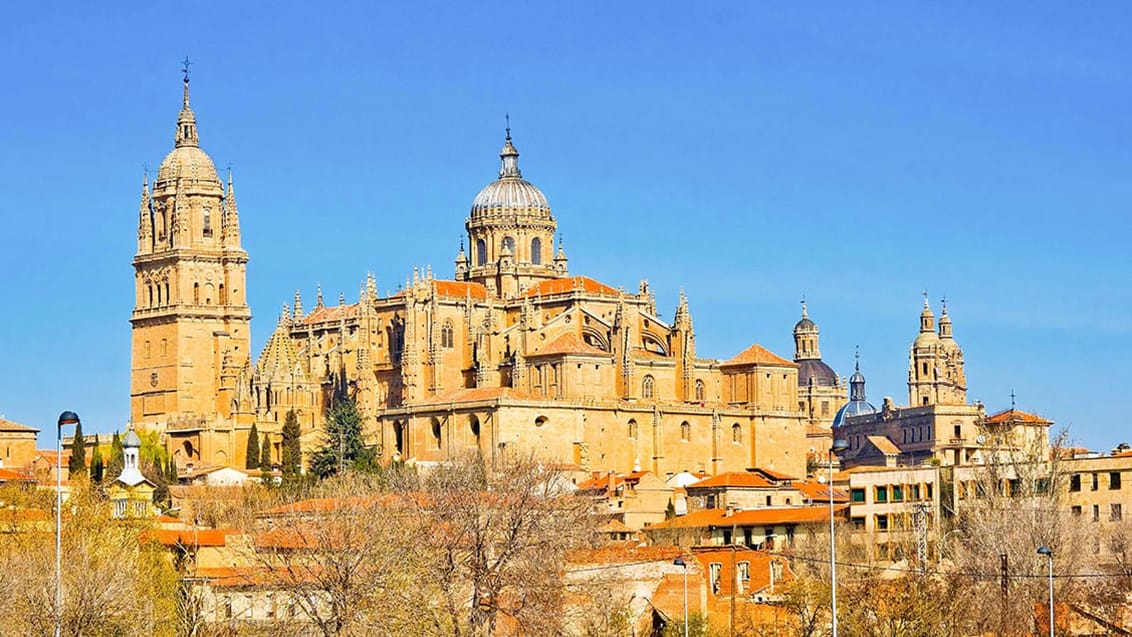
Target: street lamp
(1048,552)
(838,447)
(680,562)
(65,418)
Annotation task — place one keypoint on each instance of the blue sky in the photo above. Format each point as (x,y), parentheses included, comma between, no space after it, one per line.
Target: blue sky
(856,153)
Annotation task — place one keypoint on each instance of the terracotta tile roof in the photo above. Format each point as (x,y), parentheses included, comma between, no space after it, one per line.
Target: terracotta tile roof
(569,343)
(819,491)
(1007,416)
(459,289)
(189,537)
(736,479)
(884,445)
(757,355)
(7,475)
(599,481)
(476,394)
(331,313)
(559,286)
(628,552)
(8,425)
(752,517)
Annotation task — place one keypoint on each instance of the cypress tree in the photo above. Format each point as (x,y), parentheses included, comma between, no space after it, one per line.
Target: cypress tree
(77,464)
(117,457)
(96,468)
(292,455)
(265,453)
(345,447)
(252,454)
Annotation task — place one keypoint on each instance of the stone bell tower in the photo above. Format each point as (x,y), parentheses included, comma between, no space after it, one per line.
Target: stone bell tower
(191,322)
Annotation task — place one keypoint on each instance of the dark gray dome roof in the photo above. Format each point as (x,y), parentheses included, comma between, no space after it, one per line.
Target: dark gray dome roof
(853,408)
(816,369)
(804,324)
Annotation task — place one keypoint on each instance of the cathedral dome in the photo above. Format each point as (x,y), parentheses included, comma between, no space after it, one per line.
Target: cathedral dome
(804,325)
(816,370)
(510,193)
(188,163)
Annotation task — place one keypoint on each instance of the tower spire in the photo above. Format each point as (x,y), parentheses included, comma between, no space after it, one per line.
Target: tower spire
(186,120)
(509,156)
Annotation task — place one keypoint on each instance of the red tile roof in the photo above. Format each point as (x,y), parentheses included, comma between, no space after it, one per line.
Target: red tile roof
(751,517)
(331,313)
(1007,416)
(736,479)
(476,394)
(757,355)
(189,537)
(819,491)
(600,481)
(459,289)
(7,475)
(8,425)
(559,286)
(569,343)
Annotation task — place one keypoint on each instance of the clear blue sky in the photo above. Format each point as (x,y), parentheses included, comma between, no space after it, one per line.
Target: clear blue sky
(857,153)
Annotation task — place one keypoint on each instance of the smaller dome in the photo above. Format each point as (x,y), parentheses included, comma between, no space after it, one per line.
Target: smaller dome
(510,194)
(187,162)
(925,339)
(851,409)
(815,370)
(132,439)
(804,324)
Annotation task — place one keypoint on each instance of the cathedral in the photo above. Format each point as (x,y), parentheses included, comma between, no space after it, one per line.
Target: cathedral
(513,354)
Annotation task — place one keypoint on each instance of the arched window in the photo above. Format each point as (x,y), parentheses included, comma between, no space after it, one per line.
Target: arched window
(436,431)
(446,335)
(736,434)
(685,431)
(223,295)
(536,251)
(633,429)
(159,294)
(207,230)
(648,387)
(399,437)
(481,252)
(150,295)
(700,390)
(168,299)
(196,293)
(474,425)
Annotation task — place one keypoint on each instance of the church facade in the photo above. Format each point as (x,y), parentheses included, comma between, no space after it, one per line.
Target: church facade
(513,354)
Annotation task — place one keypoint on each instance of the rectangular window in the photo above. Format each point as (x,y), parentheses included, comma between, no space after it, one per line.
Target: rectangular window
(1115,514)
(897,493)
(1114,480)
(1076,511)
(1096,481)
(881,495)
(1075,482)
(1096,513)
(743,576)
(915,492)
(858,524)
(824,408)
(929,491)
(714,570)
(882,522)
(857,495)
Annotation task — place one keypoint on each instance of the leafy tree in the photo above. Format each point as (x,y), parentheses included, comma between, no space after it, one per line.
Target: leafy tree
(77,463)
(117,458)
(265,453)
(292,451)
(252,454)
(345,448)
(96,465)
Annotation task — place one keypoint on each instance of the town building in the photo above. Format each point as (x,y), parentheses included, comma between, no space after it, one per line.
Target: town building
(17,446)
(513,352)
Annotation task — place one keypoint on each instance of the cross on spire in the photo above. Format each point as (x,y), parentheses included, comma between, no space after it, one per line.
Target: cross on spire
(943,302)
(185,68)
(925,297)
(507,116)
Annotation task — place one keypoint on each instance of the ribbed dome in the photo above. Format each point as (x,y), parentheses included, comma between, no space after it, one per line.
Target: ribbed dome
(804,324)
(188,162)
(510,193)
(853,408)
(816,369)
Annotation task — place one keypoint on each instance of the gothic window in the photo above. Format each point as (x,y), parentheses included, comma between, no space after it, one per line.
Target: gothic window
(700,390)
(633,429)
(446,335)
(167,297)
(536,251)
(685,431)
(481,252)
(159,294)
(648,388)
(207,229)
(736,434)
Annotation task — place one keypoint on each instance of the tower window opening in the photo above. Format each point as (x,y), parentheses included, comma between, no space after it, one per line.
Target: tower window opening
(481,252)
(633,429)
(536,251)
(736,434)
(207,229)
(150,295)
(223,295)
(699,390)
(196,293)
(685,431)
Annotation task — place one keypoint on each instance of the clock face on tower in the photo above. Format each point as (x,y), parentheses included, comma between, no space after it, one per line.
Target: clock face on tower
(153,379)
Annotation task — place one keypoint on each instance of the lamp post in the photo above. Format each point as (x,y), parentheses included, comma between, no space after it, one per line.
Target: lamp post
(680,562)
(65,418)
(1048,552)
(838,447)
